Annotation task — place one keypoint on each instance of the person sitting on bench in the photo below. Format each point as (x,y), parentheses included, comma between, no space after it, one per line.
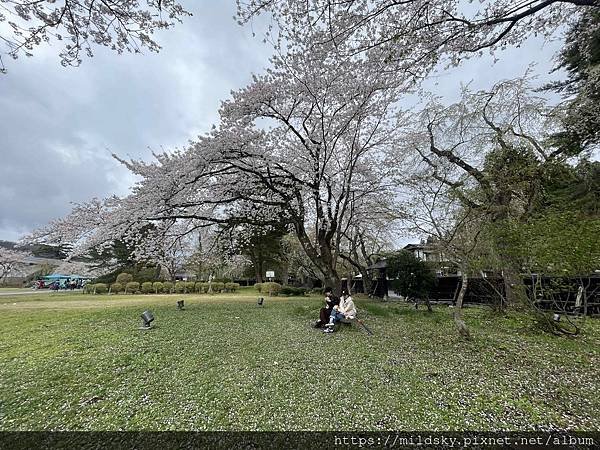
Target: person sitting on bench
(345,310)
(330,302)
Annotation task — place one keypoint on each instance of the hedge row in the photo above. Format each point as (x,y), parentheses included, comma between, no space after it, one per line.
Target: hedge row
(293,291)
(276,289)
(160,287)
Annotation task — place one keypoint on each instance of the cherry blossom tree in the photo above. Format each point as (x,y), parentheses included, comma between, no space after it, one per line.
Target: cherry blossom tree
(486,154)
(167,244)
(10,262)
(412,36)
(325,125)
(204,255)
(124,25)
(215,255)
(431,208)
(295,146)
(84,269)
(298,264)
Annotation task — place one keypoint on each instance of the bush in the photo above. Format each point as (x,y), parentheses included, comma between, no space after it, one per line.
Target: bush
(158,287)
(124,278)
(409,276)
(100,288)
(167,287)
(115,288)
(147,287)
(145,274)
(291,290)
(258,286)
(271,288)
(232,287)
(179,287)
(88,288)
(190,287)
(218,286)
(222,280)
(132,287)
(199,287)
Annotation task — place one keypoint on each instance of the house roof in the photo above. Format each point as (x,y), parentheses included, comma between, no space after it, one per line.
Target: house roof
(427,248)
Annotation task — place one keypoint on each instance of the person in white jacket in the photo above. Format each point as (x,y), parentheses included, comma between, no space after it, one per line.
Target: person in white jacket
(345,310)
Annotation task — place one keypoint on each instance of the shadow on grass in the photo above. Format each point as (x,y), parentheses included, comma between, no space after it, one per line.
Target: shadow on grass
(406,311)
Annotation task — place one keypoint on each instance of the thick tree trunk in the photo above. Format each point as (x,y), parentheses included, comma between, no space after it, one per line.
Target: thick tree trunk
(428,303)
(256,263)
(333,281)
(258,274)
(321,258)
(514,288)
(367,281)
(348,286)
(463,330)
(284,273)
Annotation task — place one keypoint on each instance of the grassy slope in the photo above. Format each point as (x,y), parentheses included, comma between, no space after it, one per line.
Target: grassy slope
(78,362)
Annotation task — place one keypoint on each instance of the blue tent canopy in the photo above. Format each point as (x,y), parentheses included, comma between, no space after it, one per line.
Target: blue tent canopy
(58,276)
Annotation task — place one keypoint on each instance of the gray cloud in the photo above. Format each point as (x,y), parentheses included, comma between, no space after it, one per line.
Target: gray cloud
(59,125)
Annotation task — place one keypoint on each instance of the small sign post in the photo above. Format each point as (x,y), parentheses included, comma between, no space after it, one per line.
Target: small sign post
(270,276)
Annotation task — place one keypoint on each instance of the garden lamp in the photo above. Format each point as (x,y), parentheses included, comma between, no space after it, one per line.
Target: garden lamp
(147,319)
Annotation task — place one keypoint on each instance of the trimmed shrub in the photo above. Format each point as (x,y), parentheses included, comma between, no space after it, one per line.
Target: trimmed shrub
(158,287)
(147,287)
(115,288)
(190,287)
(258,286)
(292,291)
(271,288)
(232,287)
(222,280)
(218,286)
(88,288)
(132,287)
(100,288)
(124,278)
(167,287)
(179,287)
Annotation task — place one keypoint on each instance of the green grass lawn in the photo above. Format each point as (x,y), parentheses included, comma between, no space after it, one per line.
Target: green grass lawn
(78,362)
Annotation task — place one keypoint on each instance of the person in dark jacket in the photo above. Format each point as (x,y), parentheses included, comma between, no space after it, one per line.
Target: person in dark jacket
(330,301)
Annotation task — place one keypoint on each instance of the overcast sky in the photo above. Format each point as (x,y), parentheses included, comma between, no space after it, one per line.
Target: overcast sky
(58,126)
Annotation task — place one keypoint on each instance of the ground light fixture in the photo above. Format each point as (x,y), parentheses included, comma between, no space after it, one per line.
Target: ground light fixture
(180,305)
(147,319)
(556,317)
(260,302)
